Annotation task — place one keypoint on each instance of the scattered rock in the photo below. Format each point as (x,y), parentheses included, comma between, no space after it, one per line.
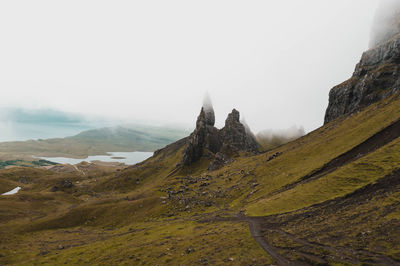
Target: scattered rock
(189,250)
(23,180)
(62,185)
(43,253)
(204,261)
(274,156)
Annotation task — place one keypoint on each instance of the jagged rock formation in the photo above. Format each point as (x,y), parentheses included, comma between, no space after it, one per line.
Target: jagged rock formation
(377,75)
(234,135)
(232,138)
(205,136)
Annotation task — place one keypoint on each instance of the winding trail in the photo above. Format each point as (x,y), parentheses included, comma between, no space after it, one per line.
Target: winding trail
(256,233)
(257,224)
(339,254)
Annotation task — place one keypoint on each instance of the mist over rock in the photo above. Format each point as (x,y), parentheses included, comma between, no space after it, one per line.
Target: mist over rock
(208,110)
(377,75)
(386,22)
(271,138)
(232,138)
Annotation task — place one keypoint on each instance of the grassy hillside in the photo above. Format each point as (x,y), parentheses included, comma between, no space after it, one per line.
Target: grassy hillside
(330,197)
(93,142)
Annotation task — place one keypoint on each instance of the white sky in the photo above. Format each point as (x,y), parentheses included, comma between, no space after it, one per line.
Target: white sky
(275,61)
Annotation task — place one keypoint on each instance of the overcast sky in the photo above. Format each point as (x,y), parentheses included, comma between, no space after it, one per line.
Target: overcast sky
(275,61)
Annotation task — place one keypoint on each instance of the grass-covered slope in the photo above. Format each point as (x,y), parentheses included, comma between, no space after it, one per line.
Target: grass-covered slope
(329,197)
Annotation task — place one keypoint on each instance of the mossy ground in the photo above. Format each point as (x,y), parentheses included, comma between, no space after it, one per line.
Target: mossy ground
(163,242)
(152,213)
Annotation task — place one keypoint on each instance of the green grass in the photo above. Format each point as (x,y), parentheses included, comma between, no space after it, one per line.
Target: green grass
(342,182)
(149,213)
(169,242)
(311,152)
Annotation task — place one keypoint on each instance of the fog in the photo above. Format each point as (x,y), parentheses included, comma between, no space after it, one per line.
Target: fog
(289,133)
(274,137)
(152,61)
(386,23)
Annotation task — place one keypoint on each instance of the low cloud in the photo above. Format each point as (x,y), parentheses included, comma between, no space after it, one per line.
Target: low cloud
(271,138)
(386,22)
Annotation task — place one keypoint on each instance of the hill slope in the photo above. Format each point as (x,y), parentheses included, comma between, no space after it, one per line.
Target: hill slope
(323,199)
(330,197)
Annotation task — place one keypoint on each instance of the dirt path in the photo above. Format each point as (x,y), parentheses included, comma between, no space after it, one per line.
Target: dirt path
(256,233)
(380,139)
(258,228)
(78,170)
(255,227)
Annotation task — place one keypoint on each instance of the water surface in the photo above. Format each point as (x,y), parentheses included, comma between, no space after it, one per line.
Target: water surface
(117,157)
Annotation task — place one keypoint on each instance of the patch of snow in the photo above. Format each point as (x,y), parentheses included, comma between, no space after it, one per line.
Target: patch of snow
(12,192)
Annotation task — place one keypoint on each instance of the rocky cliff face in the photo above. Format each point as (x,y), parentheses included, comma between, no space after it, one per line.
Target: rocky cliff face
(376,77)
(222,143)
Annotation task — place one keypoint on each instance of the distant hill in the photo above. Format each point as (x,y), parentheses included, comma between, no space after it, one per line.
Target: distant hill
(94,142)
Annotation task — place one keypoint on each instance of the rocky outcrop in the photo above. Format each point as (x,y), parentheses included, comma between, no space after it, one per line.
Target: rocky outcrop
(235,137)
(222,143)
(220,159)
(205,136)
(376,77)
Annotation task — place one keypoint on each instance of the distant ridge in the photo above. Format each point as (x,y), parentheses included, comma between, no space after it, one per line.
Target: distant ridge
(95,142)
